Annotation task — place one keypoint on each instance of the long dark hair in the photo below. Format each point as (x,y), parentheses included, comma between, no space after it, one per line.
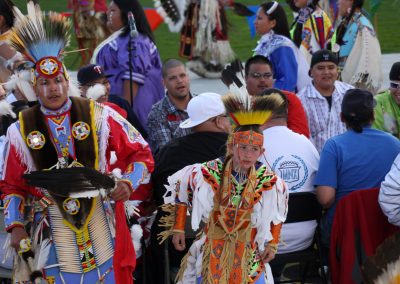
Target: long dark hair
(341,29)
(298,31)
(279,15)
(6,10)
(134,6)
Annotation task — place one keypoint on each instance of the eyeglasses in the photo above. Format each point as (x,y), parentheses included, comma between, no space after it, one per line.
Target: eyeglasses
(394,85)
(257,75)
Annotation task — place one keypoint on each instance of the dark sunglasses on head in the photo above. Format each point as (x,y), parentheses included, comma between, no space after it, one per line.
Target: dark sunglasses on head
(257,75)
(394,85)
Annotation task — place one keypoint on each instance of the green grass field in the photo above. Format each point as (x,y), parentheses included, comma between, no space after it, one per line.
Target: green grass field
(386,22)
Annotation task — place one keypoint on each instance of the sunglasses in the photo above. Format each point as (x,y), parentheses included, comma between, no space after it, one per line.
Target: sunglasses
(258,76)
(394,85)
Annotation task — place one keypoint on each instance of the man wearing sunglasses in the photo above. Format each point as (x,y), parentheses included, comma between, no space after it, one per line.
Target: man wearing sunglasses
(387,110)
(259,77)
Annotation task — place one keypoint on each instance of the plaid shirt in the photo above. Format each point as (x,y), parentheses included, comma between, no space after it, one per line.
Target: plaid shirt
(324,122)
(163,123)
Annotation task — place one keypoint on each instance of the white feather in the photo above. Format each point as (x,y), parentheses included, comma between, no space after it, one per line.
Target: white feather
(42,254)
(113,158)
(73,89)
(18,16)
(85,194)
(117,173)
(22,81)
(131,209)
(96,91)
(6,109)
(136,235)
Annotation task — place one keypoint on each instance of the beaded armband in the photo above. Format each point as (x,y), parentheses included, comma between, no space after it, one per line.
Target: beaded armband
(13,211)
(136,174)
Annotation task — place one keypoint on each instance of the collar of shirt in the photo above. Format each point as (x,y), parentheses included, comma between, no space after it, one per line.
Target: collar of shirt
(170,107)
(312,92)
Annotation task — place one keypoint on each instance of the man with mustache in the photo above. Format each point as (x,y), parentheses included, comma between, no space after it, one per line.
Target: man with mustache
(259,76)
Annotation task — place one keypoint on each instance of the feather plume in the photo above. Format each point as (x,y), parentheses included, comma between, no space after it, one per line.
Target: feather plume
(245,110)
(233,74)
(96,91)
(42,254)
(21,80)
(38,35)
(75,182)
(6,109)
(73,89)
(384,266)
(173,13)
(136,235)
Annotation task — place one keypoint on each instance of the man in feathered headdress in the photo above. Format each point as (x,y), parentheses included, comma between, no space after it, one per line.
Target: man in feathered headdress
(71,239)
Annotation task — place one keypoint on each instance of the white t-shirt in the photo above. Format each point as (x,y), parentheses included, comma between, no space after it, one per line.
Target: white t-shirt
(295,159)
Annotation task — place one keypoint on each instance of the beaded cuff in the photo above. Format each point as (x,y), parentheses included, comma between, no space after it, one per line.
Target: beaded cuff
(13,211)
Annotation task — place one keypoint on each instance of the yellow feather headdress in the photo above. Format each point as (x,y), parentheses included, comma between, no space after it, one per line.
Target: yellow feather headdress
(246,110)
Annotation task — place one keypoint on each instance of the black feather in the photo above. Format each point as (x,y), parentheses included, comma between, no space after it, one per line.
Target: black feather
(242,10)
(171,9)
(231,72)
(63,182)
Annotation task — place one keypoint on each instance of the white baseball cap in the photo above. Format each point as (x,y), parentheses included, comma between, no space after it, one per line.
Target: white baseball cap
(202,108)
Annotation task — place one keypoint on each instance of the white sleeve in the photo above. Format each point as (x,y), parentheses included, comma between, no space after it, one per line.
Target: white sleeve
(389,194)
(189,180)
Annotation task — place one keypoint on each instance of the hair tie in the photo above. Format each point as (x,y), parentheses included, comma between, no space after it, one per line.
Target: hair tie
(272,9)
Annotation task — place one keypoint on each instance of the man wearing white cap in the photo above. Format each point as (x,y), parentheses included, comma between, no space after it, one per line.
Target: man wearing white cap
(210,127)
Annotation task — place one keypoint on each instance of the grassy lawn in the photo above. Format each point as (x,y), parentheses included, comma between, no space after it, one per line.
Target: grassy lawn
(386,23)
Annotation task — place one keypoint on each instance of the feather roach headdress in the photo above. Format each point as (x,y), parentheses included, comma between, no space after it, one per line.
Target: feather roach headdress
(252,112)
(41,39)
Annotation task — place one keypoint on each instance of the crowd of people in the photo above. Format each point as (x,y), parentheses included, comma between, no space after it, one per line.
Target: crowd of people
(127,176)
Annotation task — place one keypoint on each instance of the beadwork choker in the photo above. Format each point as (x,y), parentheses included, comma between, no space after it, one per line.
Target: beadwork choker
(48,112)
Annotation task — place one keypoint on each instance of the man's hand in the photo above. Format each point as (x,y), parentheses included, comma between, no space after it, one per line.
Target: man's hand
(268,254)
(17,234)
(122,192)
(178,239)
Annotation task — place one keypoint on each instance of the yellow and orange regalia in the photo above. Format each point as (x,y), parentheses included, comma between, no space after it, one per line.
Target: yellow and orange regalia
(242,214)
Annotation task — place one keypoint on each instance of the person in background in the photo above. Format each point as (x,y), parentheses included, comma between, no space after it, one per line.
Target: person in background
(358,159)
(293,158)
(323,97)
(387,110)
(288,63)
(210,127)
(9,58)
(358,47)
(312,28)
(142,87)
(389,194)
(258,73)
(95,85)
(166,115)
(203,28)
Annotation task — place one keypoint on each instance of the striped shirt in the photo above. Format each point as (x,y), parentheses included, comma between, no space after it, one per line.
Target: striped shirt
(324,122)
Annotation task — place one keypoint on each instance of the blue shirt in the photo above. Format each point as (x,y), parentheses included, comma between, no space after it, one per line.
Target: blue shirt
(352,161)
